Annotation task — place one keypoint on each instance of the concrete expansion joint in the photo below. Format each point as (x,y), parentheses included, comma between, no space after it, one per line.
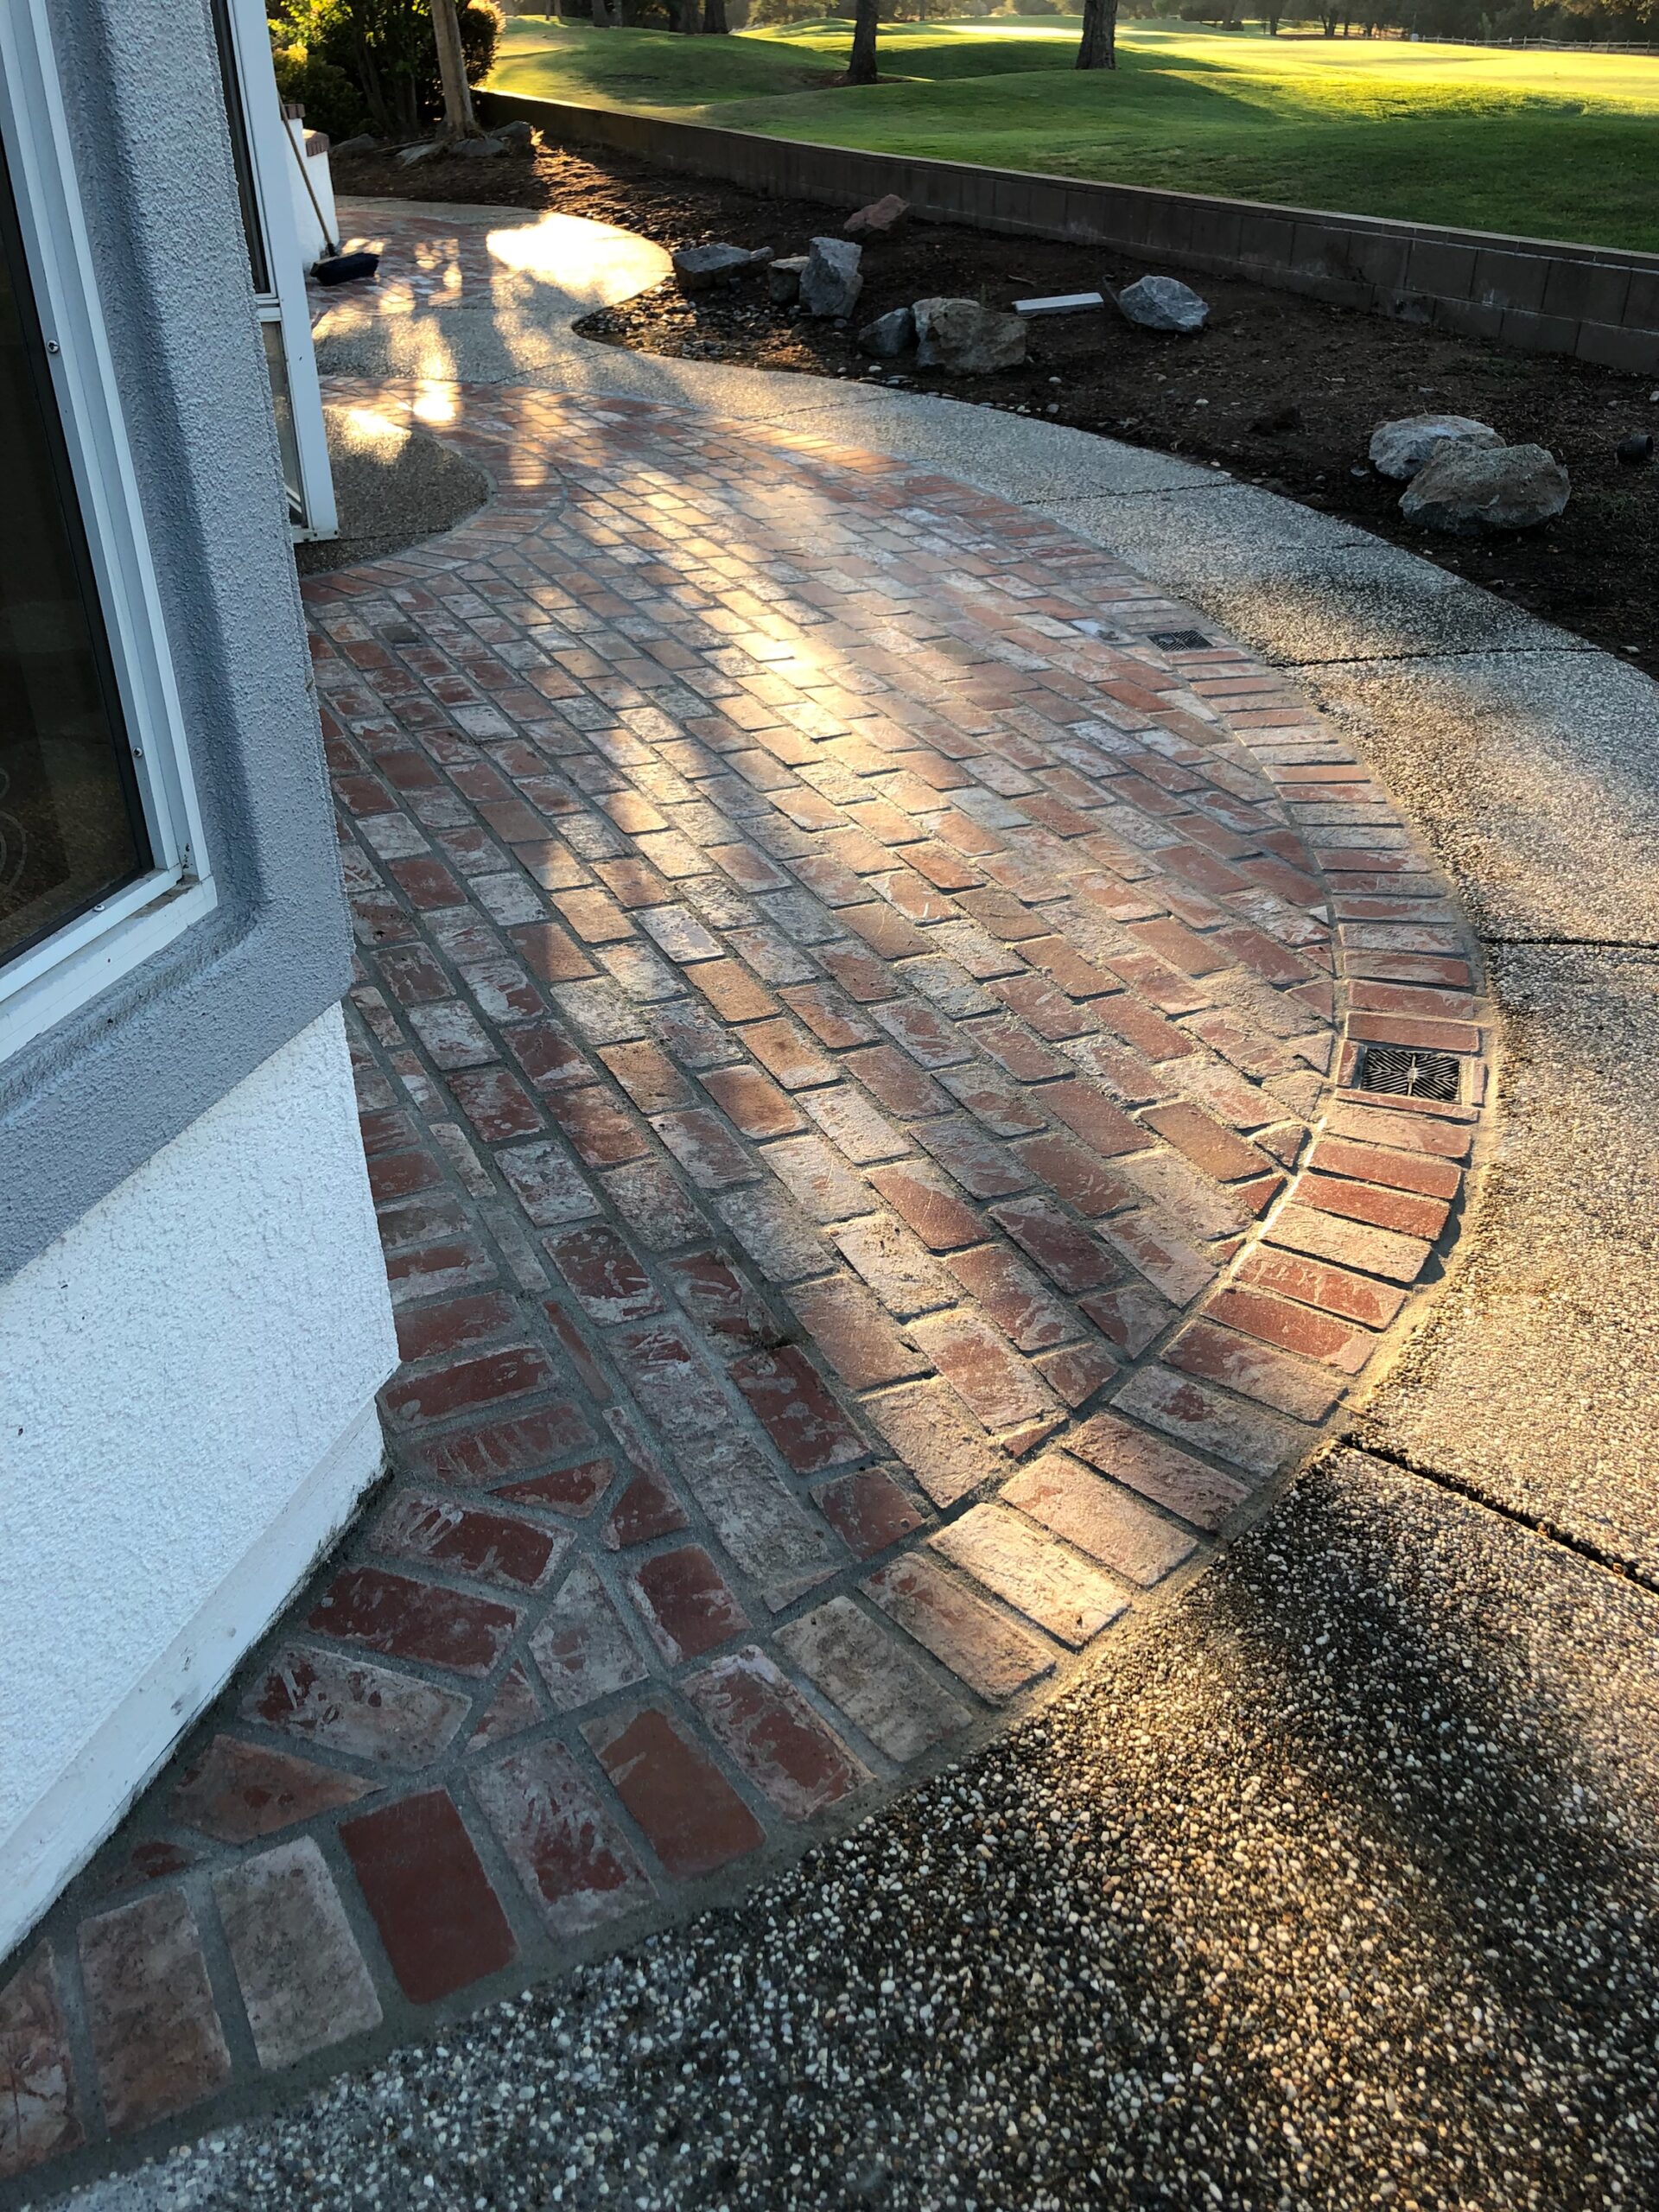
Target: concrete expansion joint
(1552,1532)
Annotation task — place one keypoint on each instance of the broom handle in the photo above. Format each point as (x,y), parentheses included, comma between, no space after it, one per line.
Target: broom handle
(332,244)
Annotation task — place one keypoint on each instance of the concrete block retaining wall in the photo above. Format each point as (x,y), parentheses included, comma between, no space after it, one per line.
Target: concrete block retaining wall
(1593,303)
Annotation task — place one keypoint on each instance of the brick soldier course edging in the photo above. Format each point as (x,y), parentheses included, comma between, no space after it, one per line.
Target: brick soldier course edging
(1542,295)
(853,1039)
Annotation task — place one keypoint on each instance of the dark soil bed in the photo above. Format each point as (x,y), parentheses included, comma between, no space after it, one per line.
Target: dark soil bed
(1226,397)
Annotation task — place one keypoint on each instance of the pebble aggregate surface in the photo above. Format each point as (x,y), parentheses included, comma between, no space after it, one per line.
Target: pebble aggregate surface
(1334,1887)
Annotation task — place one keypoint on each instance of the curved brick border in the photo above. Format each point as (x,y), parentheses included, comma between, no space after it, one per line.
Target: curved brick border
(855,1041)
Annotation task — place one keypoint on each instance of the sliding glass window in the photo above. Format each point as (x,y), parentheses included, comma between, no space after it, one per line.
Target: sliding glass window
(71,828)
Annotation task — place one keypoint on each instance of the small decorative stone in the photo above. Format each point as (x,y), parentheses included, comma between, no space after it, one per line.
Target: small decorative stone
(700,268)
(784,280)
(830,282)
(1469,490)
(1164,303)
(966,339)
(890,334)
(1401,448)
(879,219)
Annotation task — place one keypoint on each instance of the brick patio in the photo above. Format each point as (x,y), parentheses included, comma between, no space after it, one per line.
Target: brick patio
(851,1036)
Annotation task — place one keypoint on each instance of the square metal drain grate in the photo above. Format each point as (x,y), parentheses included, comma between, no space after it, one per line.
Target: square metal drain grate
(1179,641)
(1406,1074)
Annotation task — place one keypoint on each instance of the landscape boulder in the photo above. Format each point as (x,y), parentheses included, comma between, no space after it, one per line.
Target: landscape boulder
(1164,303)
(1469,490)
(879,219)
(700,268)
(890,334)
(363,142)
(479,149)
(517,135)
(784,280)
(1399,449)
(831,282)
(966,339)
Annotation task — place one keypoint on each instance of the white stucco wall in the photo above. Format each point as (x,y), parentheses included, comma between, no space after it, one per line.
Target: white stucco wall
(186,1385)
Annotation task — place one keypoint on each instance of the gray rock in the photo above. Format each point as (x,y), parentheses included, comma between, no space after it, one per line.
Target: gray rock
(889,334)
(966,339)
(700,268)
(879,219)
(410,154)
(363,142)
(784,280)
(478,149)
(1164,303)
(831,282)
(1401,448)
(1471,489)
(516,135)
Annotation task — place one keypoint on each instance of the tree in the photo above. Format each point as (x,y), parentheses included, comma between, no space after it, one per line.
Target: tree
(713,16)
(1097,48)
(459,121)
(862,70)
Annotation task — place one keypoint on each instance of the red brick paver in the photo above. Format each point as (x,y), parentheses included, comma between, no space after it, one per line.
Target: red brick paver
(850,1039)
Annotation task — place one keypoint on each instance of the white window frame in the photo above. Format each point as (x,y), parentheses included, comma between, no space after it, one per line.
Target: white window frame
(51,979)
(286,304)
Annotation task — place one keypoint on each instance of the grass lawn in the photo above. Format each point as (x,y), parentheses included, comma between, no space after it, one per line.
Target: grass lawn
(1552,145)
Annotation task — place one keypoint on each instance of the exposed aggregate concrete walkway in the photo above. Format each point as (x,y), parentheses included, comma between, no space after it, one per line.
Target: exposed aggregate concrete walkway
(1217,2152)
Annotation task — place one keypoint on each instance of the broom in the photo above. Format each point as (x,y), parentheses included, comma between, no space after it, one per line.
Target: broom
(334,267)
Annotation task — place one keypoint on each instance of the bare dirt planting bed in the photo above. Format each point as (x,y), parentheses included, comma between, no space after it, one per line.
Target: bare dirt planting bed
(1223,397)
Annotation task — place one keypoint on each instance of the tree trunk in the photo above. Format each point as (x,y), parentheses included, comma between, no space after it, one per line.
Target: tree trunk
(713,16)
(1097,48)
(459,121)
(860,70)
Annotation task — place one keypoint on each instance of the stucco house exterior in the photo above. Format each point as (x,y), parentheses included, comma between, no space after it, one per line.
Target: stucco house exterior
(194,1316)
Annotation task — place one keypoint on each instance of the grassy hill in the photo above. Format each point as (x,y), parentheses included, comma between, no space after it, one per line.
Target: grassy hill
(1555,145)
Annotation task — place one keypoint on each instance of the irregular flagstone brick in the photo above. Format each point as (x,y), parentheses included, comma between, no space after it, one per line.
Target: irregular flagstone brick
(575,1491)
(765,1726)
(694,1820)
(405,1619)
(686,1603)
(1100,1519)
(1072,1599)
(440,1922)
(512,1709)
(236,1792)
(647,1508)
(490,1547)
(864,1671)
(1244,1434)
(39,2101)
(582,1647)
(869,1511)
(950,1456)
(993,1655)
(1163,1473)
(565,1849)
(154,2030)
(303,1980)
(797,1412)
(345,1705)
